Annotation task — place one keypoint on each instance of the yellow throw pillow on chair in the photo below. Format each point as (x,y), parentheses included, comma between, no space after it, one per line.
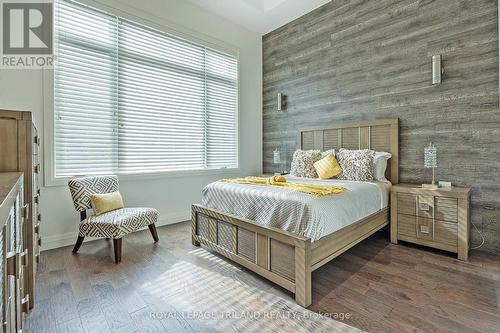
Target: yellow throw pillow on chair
(327,167)
(106,202)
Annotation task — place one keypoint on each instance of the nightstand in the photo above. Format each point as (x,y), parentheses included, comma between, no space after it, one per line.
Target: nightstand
(436,218)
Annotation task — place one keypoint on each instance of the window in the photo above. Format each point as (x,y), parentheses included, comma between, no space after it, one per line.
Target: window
(132,99)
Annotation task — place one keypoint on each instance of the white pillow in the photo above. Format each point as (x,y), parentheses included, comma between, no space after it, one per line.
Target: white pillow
(326,152)
(380,165)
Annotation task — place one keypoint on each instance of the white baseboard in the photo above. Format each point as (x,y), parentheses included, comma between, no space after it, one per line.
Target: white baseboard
(61,240)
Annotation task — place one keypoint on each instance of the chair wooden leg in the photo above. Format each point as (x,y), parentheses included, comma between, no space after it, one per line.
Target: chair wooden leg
(152,228)
(117,244)
(79,242)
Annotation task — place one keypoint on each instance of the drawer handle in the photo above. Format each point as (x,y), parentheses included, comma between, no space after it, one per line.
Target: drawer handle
(25,303)
(36,198)
(37,228)
(25,211)
(424,206)
(39,217)
(424,229)
(24,257)
(37,140)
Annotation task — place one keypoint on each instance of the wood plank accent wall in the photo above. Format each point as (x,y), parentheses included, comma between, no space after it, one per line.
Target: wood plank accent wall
(365,59)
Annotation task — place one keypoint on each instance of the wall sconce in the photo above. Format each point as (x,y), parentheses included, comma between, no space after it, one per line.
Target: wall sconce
(437,69)
(281,102)
(276,156)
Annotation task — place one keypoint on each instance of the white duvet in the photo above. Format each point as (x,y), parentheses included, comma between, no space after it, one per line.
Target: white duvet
(297,212)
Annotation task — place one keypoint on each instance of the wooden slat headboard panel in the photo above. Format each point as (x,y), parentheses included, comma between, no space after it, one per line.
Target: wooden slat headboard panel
(379,135)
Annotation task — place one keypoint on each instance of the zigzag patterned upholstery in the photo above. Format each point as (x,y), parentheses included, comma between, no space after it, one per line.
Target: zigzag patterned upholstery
(82,188)
(114,224)
(118,223)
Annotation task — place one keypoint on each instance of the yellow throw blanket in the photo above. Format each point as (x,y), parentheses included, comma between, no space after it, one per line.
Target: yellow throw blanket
(280,181)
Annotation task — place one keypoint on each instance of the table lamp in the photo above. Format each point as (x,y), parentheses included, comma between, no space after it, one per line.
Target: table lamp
(430,161)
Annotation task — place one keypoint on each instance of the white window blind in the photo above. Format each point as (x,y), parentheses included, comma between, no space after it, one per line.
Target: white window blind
(132,99)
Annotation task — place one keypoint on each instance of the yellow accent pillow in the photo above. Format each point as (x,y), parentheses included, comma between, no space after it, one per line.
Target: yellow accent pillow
(106,202)
(327,167)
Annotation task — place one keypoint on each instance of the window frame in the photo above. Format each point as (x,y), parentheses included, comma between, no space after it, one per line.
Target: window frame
(154,22)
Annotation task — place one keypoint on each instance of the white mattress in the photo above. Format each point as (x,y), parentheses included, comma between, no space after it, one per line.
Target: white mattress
(297,212)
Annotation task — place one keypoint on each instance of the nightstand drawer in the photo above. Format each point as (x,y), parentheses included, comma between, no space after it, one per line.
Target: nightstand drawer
(425,205)
(407,203)
(425,229)
(440,208)
(437,231)
(446,209)
(407,225)
(446,233)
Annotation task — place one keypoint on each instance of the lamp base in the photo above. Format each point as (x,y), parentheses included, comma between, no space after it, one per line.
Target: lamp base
(430,186)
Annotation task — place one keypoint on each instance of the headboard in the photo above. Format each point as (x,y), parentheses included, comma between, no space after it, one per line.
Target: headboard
(378,135)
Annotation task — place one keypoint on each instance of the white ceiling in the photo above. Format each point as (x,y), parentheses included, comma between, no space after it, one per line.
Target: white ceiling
(261,16)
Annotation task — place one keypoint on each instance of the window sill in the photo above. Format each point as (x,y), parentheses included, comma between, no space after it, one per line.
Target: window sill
(63,181)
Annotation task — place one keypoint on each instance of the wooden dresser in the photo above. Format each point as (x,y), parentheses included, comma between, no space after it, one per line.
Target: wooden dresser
(436,218)
(19,151)
(13,255)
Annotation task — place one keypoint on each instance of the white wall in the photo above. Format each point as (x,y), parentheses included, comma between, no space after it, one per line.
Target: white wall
(172,196)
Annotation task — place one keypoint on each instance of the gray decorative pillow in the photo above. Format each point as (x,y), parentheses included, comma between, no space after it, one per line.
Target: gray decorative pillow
(303,163)
(356,164)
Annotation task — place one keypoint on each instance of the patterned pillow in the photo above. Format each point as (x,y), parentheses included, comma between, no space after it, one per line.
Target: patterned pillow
(303,163)
(356,164)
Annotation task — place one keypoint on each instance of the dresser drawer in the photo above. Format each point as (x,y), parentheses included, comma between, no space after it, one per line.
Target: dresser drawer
(407,225)
(407,203)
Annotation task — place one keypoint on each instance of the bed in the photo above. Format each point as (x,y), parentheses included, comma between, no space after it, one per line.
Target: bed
(269,231)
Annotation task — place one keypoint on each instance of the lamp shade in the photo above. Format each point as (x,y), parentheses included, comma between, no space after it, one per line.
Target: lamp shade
(430,156)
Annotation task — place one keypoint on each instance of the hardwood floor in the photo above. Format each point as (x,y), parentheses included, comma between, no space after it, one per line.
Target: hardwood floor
(407,288)
(172,286)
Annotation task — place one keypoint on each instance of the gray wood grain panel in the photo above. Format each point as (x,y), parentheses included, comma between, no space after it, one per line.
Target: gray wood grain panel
(366,59)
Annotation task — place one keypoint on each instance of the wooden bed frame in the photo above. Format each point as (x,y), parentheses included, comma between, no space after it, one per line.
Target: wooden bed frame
(285,258)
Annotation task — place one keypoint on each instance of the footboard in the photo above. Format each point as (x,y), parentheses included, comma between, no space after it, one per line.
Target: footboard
(281,257)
